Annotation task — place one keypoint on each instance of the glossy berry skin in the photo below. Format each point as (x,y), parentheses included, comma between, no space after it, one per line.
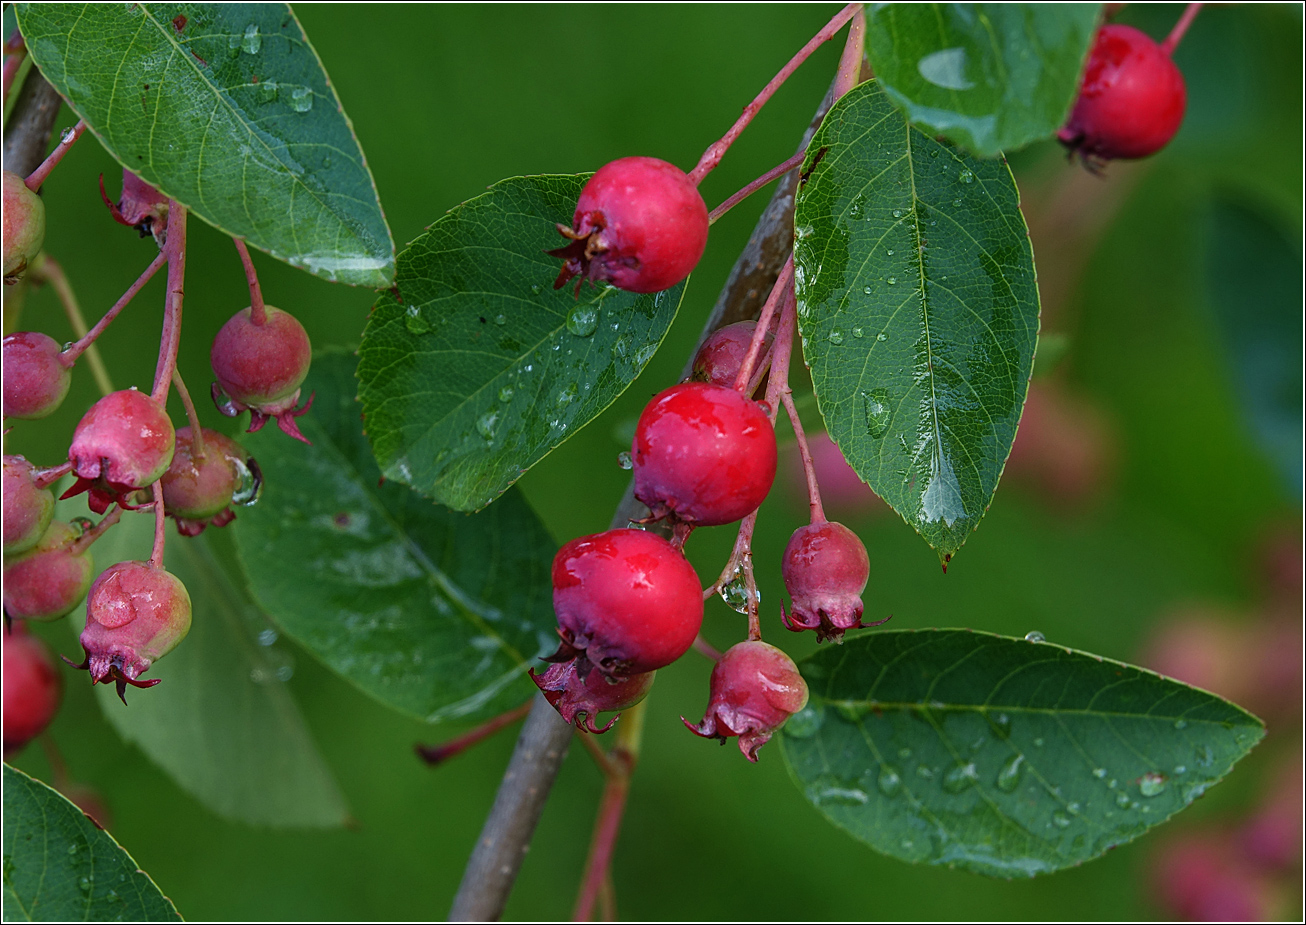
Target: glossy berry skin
(35,380)
(33,689)
(27,508)
(260,368)
(580,699)
(825,570)
(703,455)
(24,226)
(640,224)
(754,689)
(51,578)
(1131,99)
(722,354)
(136,613)
(199,493)
(124,442)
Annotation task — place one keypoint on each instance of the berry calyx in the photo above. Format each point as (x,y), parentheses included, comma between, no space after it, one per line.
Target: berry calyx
(199,491)
(580,699)
(136,613)
(754,690)
(640,224)
(27,507)
(33,689)
(24,226)
(628,602)
(140,206)
(123,443)
(825,570)
(260,365)
(703,455)
(50,579)
(721,355)
(35,378)
(1131,99)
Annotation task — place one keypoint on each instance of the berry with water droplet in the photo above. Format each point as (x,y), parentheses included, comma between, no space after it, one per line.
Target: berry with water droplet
(32,688)
(123,443)
(260,365)
(50,579)
(640,224)
(24,226)
(580,699)
(1131,99)
(721,355)
(27,507)
(825,571)
(703,455)
(754,689)
(35,378)
(136,613)
(198,491)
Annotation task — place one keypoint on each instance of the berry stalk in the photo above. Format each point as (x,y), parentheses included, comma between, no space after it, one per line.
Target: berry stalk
(69,356)
(171,338)
(777,171)
(48,270)
(37,176)
(437,754)
(258,314)
(196,431)
(764,324)
(809,468)
(1177,33)
(160,518)
(113,515)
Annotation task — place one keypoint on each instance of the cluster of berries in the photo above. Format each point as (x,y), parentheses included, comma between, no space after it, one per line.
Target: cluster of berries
(126,455)
(628,602)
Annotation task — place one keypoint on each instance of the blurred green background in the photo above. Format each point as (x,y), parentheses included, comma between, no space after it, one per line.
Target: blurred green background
(1148,274)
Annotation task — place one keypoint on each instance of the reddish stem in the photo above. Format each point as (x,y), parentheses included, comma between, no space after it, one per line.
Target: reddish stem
(44,478)
(69,356)
(849,73)
(156,554)
(257,313)
(171,338)
(743,542)
(196,432)
(48,270)
(781,352)
(763,324)
(93,534)
(706,649)
(750,189)
(608,899)
(13,62)
(37,176)
(712,156)
(1177,33)
(809,469)
(606,826)
(435,754)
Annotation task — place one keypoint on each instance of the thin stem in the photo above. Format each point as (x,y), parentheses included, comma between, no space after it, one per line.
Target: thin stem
(94,533)
(156,554)
(1177,33)
(435,754)
(849,74)
(196,431)
(743,543)
(171,339)
(623,759)
(608,899)
(48,270)
(14,58)
(777,171)
(784,343)
(809,470)
(58,767)
(69,356)
(37,176)
(596,752)
(706,649)
(257,313)
(764,323)
(712,156)
(44,478)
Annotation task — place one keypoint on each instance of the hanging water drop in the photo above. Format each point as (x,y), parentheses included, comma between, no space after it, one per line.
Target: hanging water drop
(624,460)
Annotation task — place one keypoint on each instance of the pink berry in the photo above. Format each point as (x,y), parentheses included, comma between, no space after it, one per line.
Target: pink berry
(199,492)
(580,699)
(260,367)
(136,613)
(640,224)
(754,689)
(24,226)
(123,443)
(32,689)
(35,379)
(1131,99)
(51,578)
(722,354)
(27,508)
(825,571)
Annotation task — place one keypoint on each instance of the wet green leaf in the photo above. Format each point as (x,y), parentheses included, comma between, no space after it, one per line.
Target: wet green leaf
(227,109)
(988,76)
(918,308)
(1002,756)
(474,368)
(434,613)
(60,867)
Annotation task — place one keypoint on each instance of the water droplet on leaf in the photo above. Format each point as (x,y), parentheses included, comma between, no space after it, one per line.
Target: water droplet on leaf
(301,99)
(583,320)
(960,778)
(251,41)
(875,404)
(1151,784)
(966,176)
(1009,775)
(889,782)
(1035,636)
(836,337)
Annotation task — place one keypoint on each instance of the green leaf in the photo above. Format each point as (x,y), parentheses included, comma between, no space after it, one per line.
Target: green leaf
(1002,756)
(227,109)
(989,76)
(918,308)
(60,866)
(475,368)
(433,613)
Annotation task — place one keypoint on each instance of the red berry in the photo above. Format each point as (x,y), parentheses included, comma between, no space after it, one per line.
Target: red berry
(825,571)
(703,455)
(1131,99)
(640,224)
(32,689)
(580,699)
(136,613)
(260,368)
(123,443)
(27,508)
(24,227)
(51,578)
(35,379)
(199,492)
(722,354)
(754,689)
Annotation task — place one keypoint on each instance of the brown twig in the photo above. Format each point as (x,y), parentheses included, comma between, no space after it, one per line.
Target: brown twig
(30,124)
